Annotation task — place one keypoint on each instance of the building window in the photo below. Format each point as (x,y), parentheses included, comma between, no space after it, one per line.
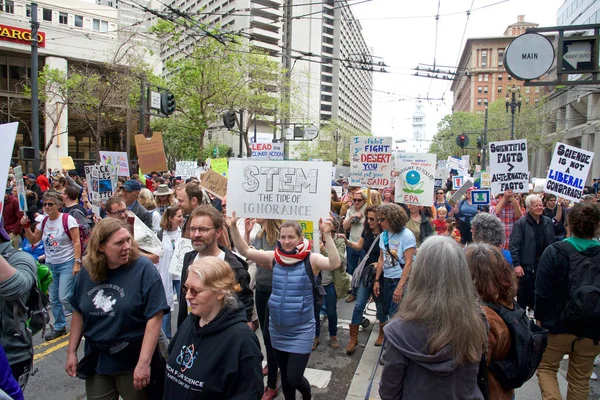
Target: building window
(500,57)
(28,10)
(486,77)
(485,89)
(79,21)
(103,26)
(8,6)
(484,58)
(99,25)
(499,89)
(47,14)
(479,89)
(63,18)
(478,102)
(499,77)
(485,101)
(509,78)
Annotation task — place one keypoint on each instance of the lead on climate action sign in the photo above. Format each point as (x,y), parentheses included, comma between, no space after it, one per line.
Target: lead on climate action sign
(416,178)
(509,166)
(279,189)
(568,171)
(371,159)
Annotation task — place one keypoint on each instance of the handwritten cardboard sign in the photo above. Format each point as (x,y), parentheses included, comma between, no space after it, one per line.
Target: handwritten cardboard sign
(299,190)
(371,161)
(182,247)
(214,183)
(118,158)
(509,166)
(416,178)
(151,153)
(568,171)
(67,163)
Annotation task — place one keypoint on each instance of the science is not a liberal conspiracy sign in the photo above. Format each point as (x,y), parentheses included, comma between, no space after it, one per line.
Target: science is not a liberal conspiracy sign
(568,171)
(279,189)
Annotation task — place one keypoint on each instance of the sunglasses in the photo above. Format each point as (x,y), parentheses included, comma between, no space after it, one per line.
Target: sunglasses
(194,292)
(371,219)
(358,200)
(48,204)
(440,193)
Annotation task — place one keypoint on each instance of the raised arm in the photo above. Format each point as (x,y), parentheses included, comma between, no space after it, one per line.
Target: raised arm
(260,257)
(333,261)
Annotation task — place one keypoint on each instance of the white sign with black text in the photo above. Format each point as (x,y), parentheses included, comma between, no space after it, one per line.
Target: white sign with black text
(509,168)
(568,171)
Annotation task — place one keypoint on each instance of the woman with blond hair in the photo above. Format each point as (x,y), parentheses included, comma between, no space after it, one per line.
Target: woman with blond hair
(118,306)
(214,354)
(146,199)
(435,342)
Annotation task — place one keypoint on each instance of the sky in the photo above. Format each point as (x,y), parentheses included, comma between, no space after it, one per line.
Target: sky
(403,33)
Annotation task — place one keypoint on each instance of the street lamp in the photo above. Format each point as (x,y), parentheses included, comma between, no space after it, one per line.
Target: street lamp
(514,103)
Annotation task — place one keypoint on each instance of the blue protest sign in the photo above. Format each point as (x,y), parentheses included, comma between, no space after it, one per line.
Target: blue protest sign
(480,197)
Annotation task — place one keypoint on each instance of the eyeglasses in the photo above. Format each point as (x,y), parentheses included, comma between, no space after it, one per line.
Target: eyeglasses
(358,200)
(381,219)
(119,212)
(371,219)
(48,204)
(195,292)
(201,230)
(440,193)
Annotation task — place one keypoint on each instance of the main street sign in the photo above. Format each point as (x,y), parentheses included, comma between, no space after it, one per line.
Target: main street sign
(529,56)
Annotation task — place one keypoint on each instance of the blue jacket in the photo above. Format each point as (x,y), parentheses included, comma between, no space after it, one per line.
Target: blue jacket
(291,301)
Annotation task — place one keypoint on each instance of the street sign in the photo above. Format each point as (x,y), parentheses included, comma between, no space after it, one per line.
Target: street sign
(529,56)
(310,132)
(155,100)
(578,55)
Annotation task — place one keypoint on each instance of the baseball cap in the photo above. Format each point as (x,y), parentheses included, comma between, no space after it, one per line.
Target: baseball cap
(30,176)
(131,186)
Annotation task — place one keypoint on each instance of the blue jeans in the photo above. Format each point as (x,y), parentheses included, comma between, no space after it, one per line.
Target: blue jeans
(362,297)
(353,258)
(389,285)
(166,325)
(177,289)
(330,301)
(61,291)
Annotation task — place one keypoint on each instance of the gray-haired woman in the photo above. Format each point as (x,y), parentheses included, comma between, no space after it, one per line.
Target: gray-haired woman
(435,342)
(487,228)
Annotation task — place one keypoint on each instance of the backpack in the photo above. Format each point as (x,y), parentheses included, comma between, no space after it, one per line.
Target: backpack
(83,237)
(317,288)
(581,314)
(37,301)
(528,342)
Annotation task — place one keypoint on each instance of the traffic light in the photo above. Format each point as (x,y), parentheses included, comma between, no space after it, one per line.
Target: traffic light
(167,103)
(479,142)
(462,141)
(216,152)
(478,158)
(229,119)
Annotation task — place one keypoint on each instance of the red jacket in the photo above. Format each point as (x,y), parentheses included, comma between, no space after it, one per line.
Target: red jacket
(11,214)
(43,182)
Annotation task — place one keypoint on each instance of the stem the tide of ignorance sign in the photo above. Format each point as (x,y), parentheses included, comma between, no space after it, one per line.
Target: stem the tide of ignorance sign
(279,189)
(568,171)
(509,167)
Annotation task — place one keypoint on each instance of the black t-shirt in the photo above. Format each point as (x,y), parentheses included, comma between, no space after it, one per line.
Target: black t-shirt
(116,310)
(368,238)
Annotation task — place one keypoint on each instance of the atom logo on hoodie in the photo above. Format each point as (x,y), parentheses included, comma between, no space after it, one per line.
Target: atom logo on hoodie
(186,357)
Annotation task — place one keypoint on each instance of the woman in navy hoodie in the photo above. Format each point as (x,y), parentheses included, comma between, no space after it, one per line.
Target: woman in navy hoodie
(214,354)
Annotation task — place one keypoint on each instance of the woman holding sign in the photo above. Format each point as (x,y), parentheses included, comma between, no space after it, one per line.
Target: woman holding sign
(291,305)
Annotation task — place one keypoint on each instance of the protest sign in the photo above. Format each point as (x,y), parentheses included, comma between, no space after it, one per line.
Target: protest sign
(299,190)
(568,171)
(480,197)
(486,180)
(214,183)
(415,178)
(457,164)
(509,167)
(338,191)
(370,163)
(307,229)
(181,247)
(441,173)
(67,163)
(477,180)
(145,237)
(117,158)
(8,134)
(267,151)
(219,165)
(101,182)
(460,192)
(21,192)
(186,169)
(457,182)
(151,153)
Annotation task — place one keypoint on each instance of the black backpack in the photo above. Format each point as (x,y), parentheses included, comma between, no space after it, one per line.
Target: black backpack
(528,342)
(581,314)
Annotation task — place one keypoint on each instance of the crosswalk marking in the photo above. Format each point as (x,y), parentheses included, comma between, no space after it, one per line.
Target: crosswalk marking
(317,377)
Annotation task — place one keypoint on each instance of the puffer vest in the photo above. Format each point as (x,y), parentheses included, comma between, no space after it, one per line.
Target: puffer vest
(291,302)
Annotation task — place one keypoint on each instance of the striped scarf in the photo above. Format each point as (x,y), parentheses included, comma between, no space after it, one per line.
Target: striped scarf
(286,259)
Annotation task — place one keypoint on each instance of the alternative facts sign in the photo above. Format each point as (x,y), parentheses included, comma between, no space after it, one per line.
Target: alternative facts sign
(279,189)
(416,178)
(568,171)
(509,168)
(371,159)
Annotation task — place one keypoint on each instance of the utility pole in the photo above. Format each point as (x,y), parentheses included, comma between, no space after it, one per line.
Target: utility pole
(35,106)
(142,107)
(484,149)
(287,64)
(241,126)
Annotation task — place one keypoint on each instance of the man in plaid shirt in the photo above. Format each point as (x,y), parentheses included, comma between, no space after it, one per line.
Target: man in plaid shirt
(507,208)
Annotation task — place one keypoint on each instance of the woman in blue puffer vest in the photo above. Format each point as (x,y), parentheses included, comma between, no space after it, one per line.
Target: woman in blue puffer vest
(291,305)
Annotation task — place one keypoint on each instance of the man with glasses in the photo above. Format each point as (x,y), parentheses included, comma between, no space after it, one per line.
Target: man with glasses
(354,221)
(130,191)
(206,226)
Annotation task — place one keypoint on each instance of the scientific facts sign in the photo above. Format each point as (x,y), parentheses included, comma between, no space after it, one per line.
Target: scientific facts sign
(509,167)
(370,163)
(279,189)
(568,171)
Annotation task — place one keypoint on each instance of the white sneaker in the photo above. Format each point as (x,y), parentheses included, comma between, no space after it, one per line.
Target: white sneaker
(530,313)
(597,360)
(594,377)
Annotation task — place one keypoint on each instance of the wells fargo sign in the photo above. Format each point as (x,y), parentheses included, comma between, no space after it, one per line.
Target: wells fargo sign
(20,35)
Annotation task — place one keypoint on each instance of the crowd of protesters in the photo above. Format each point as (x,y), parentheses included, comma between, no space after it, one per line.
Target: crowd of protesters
(433,273)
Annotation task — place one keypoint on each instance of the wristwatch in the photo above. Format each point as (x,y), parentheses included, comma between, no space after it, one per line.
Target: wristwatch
(77,260)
